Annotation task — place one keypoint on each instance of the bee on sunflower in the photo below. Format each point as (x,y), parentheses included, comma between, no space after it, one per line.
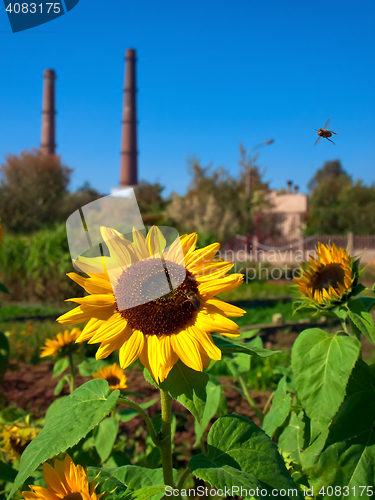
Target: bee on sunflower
(64,481)
(328,280)
(113,374)
(124,309)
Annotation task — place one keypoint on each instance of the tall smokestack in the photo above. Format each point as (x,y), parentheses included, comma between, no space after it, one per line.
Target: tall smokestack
(129,168)
(48,145)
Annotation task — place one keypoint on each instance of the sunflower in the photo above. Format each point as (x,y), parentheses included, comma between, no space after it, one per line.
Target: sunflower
(328,277)
(15,438)
(125,310)
(65,481)
(62,343)
(113,374)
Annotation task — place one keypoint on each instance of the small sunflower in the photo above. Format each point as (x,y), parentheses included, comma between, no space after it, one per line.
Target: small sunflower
(113,374)
(327,278)
(15,438)
(65,481)
(123,313)
(62,344)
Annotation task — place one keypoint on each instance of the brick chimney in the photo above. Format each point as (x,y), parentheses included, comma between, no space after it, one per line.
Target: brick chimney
(129,153)
(289,188)
(48,145)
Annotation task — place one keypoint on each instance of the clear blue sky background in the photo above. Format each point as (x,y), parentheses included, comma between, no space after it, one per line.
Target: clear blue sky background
(210,74)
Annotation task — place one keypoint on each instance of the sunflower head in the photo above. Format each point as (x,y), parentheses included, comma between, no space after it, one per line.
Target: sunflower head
(61,345)
(329,279)
(114,375)
(15,438)
(155,303)
(65,481)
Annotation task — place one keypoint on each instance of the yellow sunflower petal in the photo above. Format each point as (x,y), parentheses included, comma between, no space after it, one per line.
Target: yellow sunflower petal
(187,350)
(131,349)
(155,241)
(97,300)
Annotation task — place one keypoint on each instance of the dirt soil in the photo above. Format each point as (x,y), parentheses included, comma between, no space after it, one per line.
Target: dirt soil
(31,388)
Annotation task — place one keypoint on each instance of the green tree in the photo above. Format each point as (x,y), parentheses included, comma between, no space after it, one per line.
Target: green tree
(337,205)
(32,190)
(216,205)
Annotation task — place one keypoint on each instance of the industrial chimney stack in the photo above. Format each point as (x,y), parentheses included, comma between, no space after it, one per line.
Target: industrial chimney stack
(48,113)
(129,168)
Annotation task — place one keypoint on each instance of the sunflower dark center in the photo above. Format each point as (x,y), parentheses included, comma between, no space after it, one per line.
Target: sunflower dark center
(75,495)
(157,297)
(113,380)
(330,275)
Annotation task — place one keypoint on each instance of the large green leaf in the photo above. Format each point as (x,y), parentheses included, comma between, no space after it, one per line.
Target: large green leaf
(322,364)
(230,347)
(212,404)
(236,443)
(7,472)
(279,410)
(187,386)
(362,319)
(106,437)
(80,412)
(348,464)
(292,438)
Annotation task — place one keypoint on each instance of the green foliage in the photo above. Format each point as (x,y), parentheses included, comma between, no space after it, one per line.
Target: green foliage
(279,410)
(322,364)
(187,386)
(31,191)
(77,415)
(4,354)
(216,205)
(337,205)
(213,390)
(33,267)
(241,454)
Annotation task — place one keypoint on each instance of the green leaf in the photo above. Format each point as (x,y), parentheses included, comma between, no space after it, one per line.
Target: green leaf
(248,334)
(3,288)
(188,387)
(90,366)
(235,442)
(368,302)
(135,477)
(60,366)
(12,414)
(54,406)
(310,455)
(356,416)
(362,319)
(349,464)
(322,364)
(292,438)
(80,412)
(279,410)
(60,384)
(129,413)
(212,403)
(106,437)
(227,346)
(4,354)
(146,493)
(7,472)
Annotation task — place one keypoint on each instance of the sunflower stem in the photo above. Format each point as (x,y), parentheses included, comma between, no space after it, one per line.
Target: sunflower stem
(250,400)
(166,444)
(146,418)
(72,371)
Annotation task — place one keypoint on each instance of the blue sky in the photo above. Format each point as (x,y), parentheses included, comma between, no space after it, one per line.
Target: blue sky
(210,74)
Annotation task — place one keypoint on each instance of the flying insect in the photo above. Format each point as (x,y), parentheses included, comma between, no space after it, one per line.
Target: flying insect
(193,299)
(323,132)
